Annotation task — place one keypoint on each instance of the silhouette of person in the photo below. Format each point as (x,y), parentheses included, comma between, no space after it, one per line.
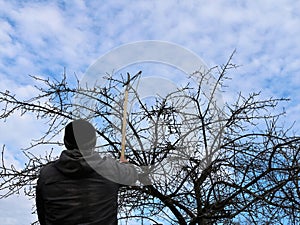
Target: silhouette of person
(81,188)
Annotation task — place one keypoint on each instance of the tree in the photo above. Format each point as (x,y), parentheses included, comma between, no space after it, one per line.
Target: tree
(203,164)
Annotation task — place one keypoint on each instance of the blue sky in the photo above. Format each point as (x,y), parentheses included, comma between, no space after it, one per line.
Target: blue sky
(42,37)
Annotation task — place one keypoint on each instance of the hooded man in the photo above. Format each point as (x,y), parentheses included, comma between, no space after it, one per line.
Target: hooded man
(81,188)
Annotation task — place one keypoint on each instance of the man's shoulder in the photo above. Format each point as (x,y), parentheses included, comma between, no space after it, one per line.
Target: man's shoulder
(48,167)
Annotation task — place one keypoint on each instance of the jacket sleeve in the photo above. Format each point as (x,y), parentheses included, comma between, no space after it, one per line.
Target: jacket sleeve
(121,173)
(40,204)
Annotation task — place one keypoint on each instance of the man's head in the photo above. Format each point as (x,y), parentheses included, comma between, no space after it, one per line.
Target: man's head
(80,134)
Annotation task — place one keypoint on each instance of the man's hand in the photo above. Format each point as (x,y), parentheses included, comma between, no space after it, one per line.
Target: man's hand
(123,160)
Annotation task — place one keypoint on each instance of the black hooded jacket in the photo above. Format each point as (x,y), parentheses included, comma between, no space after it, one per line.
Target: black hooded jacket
(70,192)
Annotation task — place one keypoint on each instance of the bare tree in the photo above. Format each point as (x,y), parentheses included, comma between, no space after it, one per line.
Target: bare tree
(200,163)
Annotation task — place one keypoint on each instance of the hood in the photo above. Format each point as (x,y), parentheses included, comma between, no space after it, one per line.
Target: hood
(71,163)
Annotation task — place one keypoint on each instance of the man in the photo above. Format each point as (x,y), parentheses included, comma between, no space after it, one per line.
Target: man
(80,188)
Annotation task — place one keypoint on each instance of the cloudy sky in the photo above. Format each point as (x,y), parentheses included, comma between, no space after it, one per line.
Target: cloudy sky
(43,37)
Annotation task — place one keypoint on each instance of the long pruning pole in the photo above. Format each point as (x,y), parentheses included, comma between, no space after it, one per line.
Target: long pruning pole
(124,121)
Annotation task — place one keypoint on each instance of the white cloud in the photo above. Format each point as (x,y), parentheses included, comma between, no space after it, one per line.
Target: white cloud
(16,210)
